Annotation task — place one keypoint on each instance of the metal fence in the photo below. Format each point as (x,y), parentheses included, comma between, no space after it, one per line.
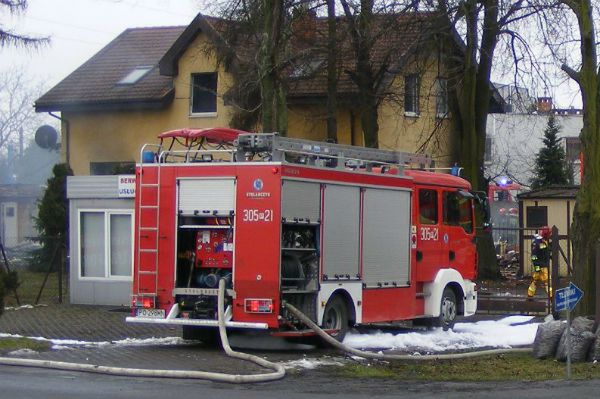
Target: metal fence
(42,272)
(510,294)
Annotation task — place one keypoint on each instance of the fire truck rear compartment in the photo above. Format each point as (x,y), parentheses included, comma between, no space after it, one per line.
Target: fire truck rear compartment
(205,233)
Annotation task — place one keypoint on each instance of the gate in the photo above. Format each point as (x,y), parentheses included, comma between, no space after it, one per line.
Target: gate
(509,294)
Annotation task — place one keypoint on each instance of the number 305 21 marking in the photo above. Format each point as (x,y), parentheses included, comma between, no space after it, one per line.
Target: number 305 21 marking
(429,234)
(255,215)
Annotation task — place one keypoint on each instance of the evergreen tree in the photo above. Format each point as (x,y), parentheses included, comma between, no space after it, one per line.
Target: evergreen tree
(551,167)
(52,221)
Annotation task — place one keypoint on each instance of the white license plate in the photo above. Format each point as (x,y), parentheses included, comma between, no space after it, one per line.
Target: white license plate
(150,313)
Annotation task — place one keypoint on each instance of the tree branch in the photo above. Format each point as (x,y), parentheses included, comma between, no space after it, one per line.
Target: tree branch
(573,74)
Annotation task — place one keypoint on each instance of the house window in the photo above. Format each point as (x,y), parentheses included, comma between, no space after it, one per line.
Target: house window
(457,211)
(112,168)
(441,97)
(105,244)
(411,94)
(537,216)
(489,142)
(428,210)
(204,93)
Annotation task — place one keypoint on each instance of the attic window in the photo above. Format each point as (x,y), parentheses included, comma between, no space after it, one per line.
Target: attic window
(306,69)
(135,75)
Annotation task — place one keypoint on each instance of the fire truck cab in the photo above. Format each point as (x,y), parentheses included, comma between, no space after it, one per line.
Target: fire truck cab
(348,235)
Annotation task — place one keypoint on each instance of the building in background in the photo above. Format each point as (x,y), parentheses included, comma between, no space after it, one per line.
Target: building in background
(514,139)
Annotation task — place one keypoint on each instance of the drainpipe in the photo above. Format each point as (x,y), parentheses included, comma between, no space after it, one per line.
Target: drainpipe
(67,131)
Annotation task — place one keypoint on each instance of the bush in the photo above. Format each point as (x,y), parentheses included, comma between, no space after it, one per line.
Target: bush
(52,221)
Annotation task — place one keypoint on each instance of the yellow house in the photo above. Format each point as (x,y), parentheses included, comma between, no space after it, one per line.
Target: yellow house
(150,80)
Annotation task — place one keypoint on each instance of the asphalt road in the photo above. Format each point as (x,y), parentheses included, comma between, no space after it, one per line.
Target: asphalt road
(30,383)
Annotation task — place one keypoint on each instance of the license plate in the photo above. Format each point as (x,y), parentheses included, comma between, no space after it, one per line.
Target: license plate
(150,313)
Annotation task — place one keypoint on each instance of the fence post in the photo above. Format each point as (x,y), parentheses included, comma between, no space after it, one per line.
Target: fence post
(554,274)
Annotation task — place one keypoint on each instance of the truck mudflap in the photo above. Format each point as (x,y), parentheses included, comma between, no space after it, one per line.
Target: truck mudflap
(172,319)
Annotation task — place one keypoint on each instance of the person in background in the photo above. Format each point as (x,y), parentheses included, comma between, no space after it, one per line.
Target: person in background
(540,258)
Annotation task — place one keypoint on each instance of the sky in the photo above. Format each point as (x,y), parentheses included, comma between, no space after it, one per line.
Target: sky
(80,28)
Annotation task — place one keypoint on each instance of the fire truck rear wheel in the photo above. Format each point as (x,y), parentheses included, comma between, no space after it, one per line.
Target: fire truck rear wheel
(335,317)
(448,309)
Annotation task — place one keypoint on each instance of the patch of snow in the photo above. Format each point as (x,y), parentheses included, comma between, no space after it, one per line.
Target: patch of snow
(23,352)
(152,341)
(71,343)
(21,307)
(504,333)
(311,364)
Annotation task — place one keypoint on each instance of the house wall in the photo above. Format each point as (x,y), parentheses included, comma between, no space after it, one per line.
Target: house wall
(117,136)
(426,132)
(560,214)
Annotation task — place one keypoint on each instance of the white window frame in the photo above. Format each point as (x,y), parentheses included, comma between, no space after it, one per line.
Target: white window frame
(107,254)
(193,114)
(416,93)
(441,98)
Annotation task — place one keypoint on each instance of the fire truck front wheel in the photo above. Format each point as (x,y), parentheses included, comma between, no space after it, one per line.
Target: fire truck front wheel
(448,309)
(335,317)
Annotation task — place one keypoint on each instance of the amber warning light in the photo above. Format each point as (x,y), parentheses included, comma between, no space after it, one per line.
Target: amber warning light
(259,306)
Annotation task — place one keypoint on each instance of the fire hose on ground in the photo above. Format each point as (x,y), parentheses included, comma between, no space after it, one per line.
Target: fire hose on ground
(278,370)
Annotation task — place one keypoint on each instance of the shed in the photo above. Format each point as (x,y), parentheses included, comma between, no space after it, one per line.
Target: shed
(101,239)
(550,206)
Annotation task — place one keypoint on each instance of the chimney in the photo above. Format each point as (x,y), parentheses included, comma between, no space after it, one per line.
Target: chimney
(305,26)
(544,105)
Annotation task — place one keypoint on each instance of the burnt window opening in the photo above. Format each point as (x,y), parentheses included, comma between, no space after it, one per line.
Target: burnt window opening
(204,93)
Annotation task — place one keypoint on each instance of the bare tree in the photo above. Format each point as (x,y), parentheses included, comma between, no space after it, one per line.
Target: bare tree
(478,26)
(11,38)
(564,24)
(18,119)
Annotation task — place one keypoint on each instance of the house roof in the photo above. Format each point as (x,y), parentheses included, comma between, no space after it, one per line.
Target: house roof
(95,84)
(19,191)
(552,192)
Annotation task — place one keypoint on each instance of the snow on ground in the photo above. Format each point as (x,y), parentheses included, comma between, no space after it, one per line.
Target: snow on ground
(504,333)
(71,343)
(311,363)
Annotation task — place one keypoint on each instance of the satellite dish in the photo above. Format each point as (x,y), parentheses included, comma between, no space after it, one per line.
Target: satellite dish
(46,136)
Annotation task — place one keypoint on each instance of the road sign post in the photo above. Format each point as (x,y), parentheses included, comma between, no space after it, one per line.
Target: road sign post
(566,299)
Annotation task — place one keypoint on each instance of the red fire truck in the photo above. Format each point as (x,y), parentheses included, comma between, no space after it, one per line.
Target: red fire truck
(348,235)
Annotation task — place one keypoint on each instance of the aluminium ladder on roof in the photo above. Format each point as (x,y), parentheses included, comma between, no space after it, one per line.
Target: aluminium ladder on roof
(279,146)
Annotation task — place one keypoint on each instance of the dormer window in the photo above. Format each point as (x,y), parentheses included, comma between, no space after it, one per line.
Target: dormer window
(135,75)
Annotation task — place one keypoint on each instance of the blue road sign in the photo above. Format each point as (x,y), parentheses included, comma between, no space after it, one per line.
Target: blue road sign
(567,298)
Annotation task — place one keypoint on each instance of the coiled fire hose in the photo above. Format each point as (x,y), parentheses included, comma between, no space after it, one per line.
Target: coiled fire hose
(278,369)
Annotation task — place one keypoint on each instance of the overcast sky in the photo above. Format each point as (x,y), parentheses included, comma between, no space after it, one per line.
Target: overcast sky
(80,28)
